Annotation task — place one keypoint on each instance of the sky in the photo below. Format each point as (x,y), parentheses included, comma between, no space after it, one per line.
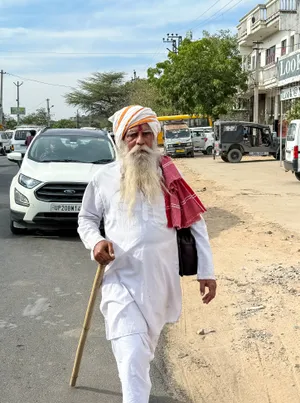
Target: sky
(50,45)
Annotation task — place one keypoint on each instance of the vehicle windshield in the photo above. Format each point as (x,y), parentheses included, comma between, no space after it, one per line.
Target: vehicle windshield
(176,134)
(71,148)
(3,136)
(21,134)
(291,132)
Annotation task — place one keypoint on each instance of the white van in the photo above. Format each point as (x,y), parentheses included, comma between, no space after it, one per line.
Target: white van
(292,149)
(17,142)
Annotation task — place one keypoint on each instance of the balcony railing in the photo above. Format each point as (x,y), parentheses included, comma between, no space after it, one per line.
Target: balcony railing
(242,30)
(280,5)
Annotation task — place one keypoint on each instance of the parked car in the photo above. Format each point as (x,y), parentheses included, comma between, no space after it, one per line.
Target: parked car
(47,191)
(234,139)
(292,149)
(17,142)
(177,140)
(4,143)
(203,139)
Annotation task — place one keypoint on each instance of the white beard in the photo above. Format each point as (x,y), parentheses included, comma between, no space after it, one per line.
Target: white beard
(140,173)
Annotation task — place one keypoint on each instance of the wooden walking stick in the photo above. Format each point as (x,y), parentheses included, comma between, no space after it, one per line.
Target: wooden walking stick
(86,324)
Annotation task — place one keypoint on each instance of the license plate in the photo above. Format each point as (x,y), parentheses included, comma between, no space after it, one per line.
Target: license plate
(180,151)
(65,208)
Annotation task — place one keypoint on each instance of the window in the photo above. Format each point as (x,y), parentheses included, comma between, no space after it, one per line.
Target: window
(21,134)
(292,47)
(270,55)
(71,148)
(291,132)
(283,48)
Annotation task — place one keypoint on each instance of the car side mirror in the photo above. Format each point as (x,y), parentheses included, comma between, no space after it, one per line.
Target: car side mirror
(15,156)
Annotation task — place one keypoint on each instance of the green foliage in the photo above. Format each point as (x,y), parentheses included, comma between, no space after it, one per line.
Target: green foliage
(64,124)
(294,112)
(204,77)
(142,92)
(102,94)
(39,118)
(9,123)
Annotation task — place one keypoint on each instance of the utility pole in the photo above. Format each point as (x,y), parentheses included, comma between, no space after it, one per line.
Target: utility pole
(1,96)
(48,112)
(256,83)
(18,85)
(77,119)
(176,41)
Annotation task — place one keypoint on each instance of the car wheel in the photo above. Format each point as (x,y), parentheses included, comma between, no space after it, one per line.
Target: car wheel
(192,154)
(225,159)
(204,152)
(297,174)
(16,231)
(209,150)
(234,156)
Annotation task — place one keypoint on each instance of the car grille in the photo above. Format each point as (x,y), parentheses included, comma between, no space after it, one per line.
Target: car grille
(182,145)
(61,192)
(57,216)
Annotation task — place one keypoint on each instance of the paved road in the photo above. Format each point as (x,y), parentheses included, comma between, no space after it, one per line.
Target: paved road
(45,282)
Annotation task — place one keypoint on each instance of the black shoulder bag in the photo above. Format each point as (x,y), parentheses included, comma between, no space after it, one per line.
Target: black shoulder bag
(187,252)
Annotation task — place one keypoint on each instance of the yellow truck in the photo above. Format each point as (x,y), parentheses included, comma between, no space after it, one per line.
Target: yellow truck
(192,121)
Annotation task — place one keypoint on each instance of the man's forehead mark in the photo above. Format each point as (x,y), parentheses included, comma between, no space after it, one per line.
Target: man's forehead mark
(139,128)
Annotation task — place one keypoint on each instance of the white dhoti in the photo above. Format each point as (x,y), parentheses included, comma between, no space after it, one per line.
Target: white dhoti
(141,288)
(134,354)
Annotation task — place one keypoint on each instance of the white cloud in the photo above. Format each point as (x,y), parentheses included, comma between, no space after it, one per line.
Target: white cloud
(36,34)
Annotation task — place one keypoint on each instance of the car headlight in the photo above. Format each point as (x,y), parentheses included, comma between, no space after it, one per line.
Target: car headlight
(27,182)
(21,199)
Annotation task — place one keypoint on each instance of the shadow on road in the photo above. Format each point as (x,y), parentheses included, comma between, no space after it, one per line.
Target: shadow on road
(219,220)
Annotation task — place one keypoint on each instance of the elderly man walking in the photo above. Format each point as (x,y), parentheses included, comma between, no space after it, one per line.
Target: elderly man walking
(141,288)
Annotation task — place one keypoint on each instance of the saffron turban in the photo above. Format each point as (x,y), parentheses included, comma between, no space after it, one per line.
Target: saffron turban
(131,116)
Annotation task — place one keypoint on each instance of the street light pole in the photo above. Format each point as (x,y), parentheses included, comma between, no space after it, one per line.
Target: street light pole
(18,85)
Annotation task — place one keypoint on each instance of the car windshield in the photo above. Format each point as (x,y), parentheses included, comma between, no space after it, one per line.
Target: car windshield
(71,148)
(175,134)
(291,132)
(21,134)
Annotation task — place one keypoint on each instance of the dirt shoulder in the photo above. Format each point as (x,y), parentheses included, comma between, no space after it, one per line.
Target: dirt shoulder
(244,347)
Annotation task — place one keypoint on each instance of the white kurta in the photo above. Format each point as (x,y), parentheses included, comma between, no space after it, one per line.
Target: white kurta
(141,287)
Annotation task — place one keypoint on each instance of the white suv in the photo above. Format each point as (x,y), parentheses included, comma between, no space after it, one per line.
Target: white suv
(47,191)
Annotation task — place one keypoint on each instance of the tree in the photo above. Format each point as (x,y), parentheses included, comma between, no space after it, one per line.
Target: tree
(39,118)
(9,122)
(203,77)
(64,124)
(143,92)
(294,112)
(102,94)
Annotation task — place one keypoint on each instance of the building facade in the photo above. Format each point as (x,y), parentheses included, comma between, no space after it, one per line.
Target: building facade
(269,42)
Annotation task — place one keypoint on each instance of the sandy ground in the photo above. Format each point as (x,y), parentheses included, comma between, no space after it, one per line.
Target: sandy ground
(245,346)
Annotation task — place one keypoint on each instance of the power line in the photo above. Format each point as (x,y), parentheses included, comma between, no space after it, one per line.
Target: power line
(40,82)
(206,11)
(205,22)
